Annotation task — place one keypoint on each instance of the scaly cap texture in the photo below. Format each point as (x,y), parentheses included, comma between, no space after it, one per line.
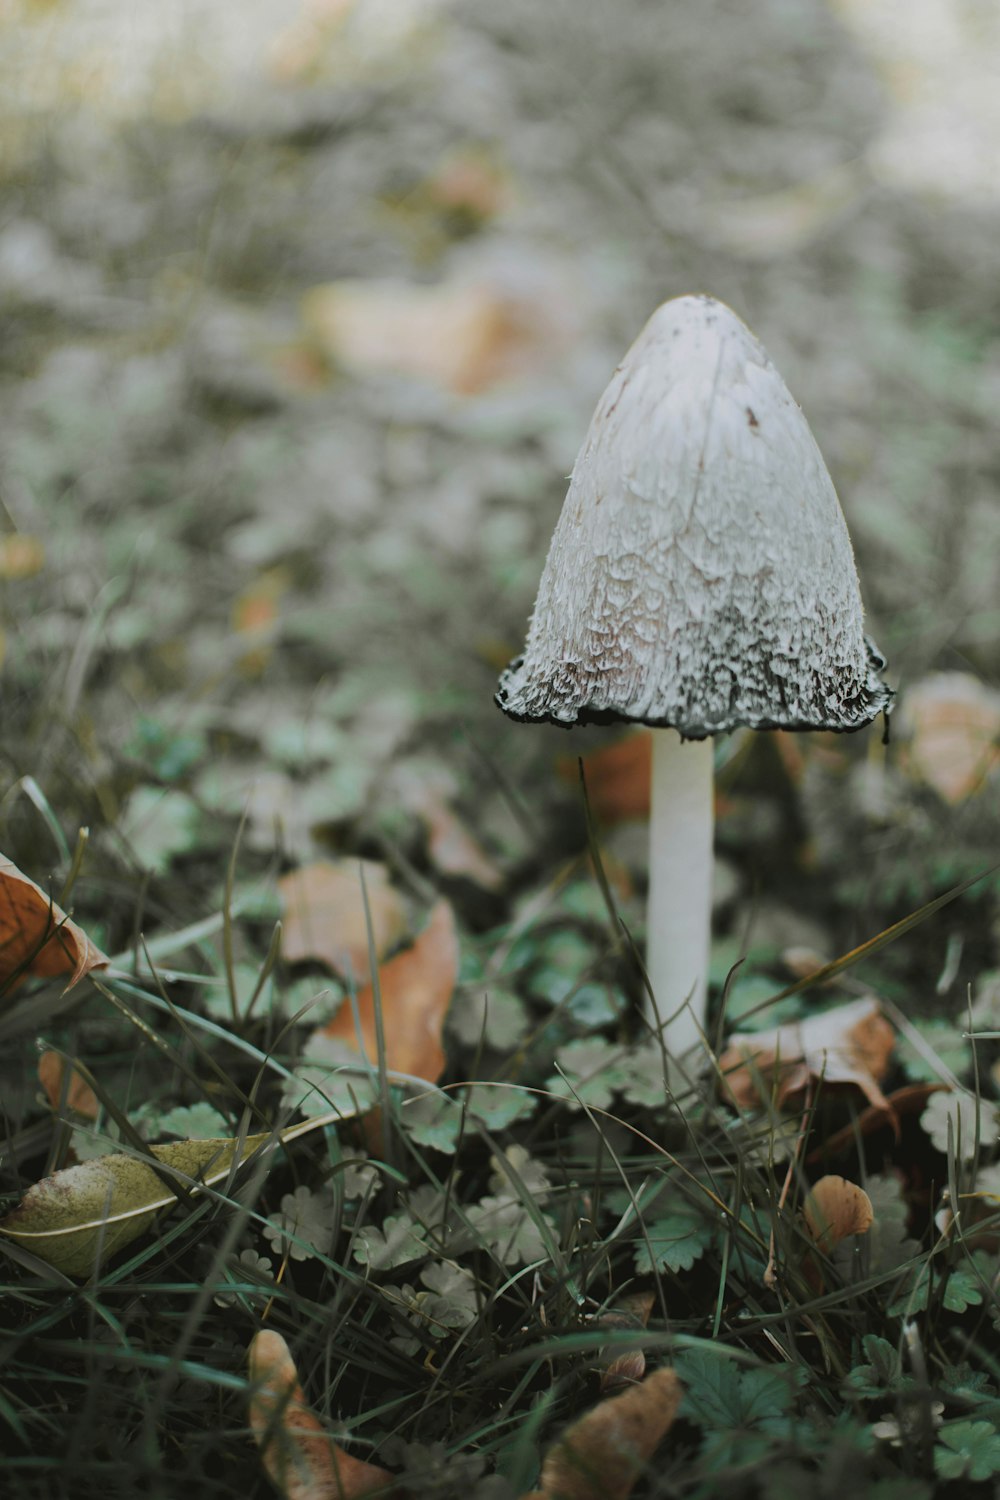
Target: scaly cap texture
(701,574)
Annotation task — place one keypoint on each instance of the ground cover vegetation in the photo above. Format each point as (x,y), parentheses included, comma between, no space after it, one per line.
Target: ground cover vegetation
(337,1157)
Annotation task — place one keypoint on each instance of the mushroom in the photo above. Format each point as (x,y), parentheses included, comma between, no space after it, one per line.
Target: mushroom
(700,578)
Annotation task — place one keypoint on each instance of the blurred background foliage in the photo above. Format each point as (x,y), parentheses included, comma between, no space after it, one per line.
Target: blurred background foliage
(305,310)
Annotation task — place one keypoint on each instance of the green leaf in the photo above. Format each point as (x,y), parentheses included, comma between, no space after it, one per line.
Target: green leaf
(674,1242)
(944,1040)
(507,1229)
(305,1225)
(159,825)
(956,1290)
(593,1071)
(887,1245)
(494,1015)
(741,1411)
(450,1301)
(399,1240)
(967,1450)
(194,1122)
(93,1210)
(328,1078)
(969,1118)
(721,1395)
(882,1373)
(435,1120)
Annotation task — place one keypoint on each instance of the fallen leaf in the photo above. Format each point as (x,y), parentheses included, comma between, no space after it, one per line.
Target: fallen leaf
(255,617)
(849,1045)
(416,987)
(463,336)
(301,1459)
(426,791)
(91,1211)
(470,183)
(21,556)
(37,937)
(75,1095)
(953,723)
(622,1371)
(835,1208)
(603,1454)
(323,915)
(617,777)
(774,224)
(908,1100)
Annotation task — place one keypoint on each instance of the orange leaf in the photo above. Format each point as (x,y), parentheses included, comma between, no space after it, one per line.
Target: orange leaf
(416,987)
(36,936)
(76,1095)
(21,556)
(301,1459)
(464,336)
(954,728)
(324,915)
(603,1454)
(851,1045)
(617,777)
(835,1208)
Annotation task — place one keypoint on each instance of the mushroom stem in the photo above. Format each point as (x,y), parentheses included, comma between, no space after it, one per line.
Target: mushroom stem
(679,913)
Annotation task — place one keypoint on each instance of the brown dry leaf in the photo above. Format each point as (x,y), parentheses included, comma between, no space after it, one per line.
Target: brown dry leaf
(255,617)
(416,987)
(953,722)
(427,792)
(469,182)
(624,1370)
(75,1095)
(603,1454)
(454,851)
(21,556)
(908,1100)
(835,1208)
(301,1459)
(462,336)
(617,778)
(851,1044)
(37,937)
(323,915)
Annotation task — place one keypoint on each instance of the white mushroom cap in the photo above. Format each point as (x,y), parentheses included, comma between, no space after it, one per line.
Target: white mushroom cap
(700,575)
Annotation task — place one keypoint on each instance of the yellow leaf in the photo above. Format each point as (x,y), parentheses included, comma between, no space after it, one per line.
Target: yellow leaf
(89,1212)
(21,556)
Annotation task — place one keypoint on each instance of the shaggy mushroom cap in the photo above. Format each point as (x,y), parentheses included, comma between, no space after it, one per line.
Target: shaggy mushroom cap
(701,574)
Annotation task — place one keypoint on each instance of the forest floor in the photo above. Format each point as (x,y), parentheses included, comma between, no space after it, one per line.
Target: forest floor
(303,323)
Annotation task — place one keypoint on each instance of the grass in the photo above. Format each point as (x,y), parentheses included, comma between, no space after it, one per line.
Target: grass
(455,1278)
(453,1275)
